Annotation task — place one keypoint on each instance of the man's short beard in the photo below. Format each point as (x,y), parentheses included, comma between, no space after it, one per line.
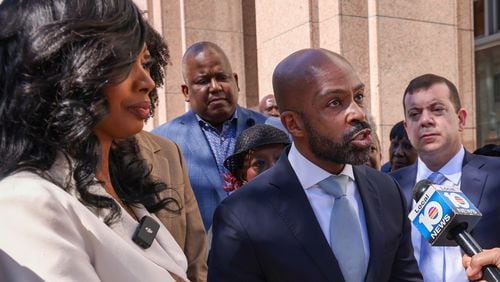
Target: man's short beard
(342,153)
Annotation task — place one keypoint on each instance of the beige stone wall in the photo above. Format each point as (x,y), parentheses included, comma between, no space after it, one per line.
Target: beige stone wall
(184,22)
(414,38)
(388,43)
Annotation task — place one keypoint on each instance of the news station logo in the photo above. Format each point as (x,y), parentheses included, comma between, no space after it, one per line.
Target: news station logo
(434,212)
(438,206)
(457,200)
(433,218)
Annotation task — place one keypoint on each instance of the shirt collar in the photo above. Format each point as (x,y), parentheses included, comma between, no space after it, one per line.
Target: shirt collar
(232,120)
(310,174)
(452,169)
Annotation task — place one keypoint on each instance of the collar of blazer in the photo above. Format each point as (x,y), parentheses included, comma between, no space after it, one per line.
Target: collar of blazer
(473,178)
(147,141)
(163,244)
(290,202)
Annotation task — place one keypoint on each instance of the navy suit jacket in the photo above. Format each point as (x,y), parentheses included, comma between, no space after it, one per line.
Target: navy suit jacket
(201,164)
(480,182)
(267,231)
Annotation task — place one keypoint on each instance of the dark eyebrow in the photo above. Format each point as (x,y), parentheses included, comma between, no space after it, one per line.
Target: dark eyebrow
(341,91)
(359,86)
(413,108)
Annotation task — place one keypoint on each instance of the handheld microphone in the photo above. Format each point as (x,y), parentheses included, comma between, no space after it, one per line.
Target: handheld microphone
(444,216)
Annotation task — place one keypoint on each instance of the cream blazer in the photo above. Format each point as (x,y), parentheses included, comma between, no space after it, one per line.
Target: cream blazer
(47,234)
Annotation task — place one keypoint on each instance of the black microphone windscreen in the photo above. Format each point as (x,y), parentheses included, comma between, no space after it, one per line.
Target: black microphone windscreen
(420,188)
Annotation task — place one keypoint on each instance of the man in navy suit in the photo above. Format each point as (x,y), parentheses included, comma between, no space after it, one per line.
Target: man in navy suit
(207,132)
(434,119)
(277,227)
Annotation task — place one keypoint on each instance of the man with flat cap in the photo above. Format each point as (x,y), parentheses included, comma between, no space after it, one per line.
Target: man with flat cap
(319,214)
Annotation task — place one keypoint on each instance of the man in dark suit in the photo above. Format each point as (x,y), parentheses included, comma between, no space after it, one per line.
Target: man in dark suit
(281,225)
(207,132)
(434,119)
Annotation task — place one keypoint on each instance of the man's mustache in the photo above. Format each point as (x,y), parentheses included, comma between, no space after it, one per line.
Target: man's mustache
(358,127)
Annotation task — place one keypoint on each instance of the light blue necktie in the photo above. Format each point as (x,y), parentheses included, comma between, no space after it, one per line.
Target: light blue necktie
(437,178)
(432,259)
(345,233)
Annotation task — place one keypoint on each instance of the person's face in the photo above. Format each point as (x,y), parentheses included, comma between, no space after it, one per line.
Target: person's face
(375,157)
(333,123)
(401,153)
(128,101)
(432,123)
(271,108)
(262,158)
(211,88)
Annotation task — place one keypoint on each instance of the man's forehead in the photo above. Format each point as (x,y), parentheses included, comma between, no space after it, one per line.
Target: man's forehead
(328,67)
(422,97)
(204,64)
(333,78)
(312,68)
(270,102)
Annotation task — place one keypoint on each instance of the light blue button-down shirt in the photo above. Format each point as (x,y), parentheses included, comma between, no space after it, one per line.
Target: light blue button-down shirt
(309,176)
(453,271)
(222,142)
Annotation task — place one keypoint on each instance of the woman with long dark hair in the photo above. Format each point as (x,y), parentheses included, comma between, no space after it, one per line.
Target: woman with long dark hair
(77,80)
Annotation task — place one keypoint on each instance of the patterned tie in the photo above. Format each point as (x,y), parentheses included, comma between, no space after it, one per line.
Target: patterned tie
(345,232)
(432,262)
(437,178)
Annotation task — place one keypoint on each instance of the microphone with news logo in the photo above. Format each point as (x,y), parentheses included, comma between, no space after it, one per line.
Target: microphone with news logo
(444,216)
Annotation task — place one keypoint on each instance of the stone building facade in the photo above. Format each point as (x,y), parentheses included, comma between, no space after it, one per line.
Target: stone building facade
(388,42)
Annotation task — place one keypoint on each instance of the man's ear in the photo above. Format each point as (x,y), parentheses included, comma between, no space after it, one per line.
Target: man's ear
(293,123)
(462,117)
(235,75)
(185,92)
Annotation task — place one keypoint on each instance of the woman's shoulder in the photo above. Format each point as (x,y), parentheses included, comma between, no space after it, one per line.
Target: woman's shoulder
(25,182)
(29,188)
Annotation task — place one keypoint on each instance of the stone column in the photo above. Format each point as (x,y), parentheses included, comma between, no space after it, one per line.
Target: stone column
(411,38)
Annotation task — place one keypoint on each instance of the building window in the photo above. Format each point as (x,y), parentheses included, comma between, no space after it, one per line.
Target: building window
(496,88)
(487,53)
(486,22)
(478,18)
(488,96)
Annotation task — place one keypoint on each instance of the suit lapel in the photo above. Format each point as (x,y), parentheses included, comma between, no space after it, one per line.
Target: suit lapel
(291,203)
(193,134)
(244,121)
(473,179)
(374,226)
(407,182)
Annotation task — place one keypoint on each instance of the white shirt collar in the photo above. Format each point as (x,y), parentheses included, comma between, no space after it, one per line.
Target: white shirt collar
(308,173)
(452,169)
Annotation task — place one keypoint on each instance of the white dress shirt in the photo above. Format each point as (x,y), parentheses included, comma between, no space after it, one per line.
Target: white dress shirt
(309,176)
(453,270)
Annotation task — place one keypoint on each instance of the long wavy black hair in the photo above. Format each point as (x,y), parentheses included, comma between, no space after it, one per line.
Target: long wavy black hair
(56,59)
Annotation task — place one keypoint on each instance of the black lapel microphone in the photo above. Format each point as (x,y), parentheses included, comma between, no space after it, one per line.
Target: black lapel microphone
(145,232)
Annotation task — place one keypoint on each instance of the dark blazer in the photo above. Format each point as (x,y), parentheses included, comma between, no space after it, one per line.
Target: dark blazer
(201,165)
(267,231)
(480,182)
